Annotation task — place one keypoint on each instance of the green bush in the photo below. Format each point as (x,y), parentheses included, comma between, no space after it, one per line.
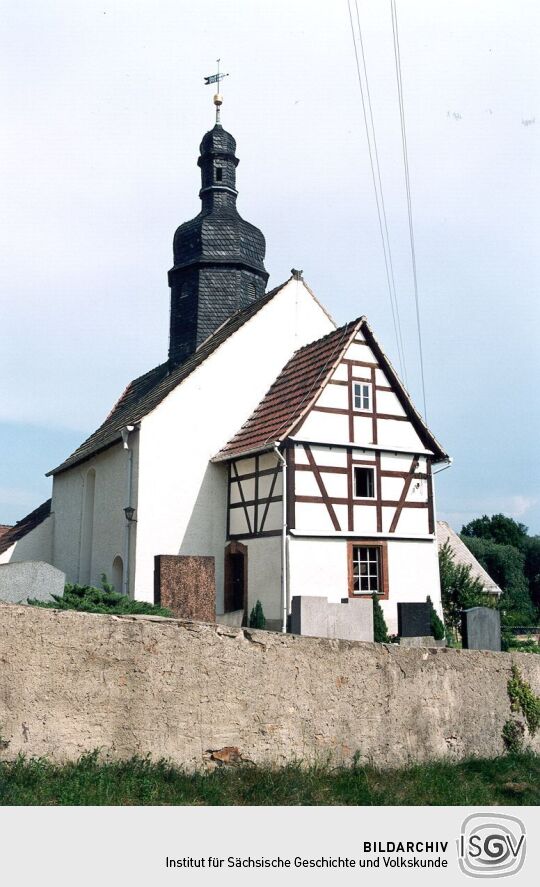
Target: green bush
(513,735)
(257,618)
(88,599)
(459,589)
(437,625)
(380,628)
(523,699)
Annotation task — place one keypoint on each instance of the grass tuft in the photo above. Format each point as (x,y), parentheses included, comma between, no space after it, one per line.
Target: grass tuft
(510,779)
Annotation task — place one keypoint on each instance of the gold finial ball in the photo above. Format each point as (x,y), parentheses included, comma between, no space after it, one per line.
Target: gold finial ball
(218,100)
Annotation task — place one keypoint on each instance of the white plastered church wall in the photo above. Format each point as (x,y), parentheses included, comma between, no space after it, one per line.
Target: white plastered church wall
(109,523)
(181,496)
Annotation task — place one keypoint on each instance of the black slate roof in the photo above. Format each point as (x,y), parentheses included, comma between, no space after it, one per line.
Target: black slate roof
(221,236)
(145,393)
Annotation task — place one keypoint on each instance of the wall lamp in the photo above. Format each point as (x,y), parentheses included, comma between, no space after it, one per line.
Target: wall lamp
(129,512)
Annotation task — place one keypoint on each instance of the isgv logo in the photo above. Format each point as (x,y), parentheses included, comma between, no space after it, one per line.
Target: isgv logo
(491,845)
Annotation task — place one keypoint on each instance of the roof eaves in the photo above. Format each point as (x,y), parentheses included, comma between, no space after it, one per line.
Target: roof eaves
(211,344)
(319,303)
(428,439)
(224,454)
(28,523)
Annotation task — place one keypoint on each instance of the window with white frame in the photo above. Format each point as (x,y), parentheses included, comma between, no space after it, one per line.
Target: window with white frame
(364,483)
(362,396)
(366,562)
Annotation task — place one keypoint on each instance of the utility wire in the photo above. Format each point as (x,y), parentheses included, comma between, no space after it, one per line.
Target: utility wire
(376,153)
(378,200)
(397,58)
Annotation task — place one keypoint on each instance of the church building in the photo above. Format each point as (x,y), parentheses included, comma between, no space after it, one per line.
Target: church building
(279,452)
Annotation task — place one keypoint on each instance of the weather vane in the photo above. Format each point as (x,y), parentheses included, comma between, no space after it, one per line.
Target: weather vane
(218,98)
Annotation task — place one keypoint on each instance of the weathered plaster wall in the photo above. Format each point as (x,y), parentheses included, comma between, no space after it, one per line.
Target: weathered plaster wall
(71,682)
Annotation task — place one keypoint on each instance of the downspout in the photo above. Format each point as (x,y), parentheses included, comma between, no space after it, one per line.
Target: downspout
(284,602)
(448,461)
(129,490)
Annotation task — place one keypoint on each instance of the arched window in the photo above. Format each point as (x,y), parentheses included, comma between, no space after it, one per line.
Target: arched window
(87,529)
(118,574)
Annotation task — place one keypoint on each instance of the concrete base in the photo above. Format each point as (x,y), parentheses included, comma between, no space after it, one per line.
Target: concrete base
(234,618)
(30,579)
(351,620)
(424,641)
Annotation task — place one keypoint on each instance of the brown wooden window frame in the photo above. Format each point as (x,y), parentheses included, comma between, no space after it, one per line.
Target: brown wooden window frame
(382,548)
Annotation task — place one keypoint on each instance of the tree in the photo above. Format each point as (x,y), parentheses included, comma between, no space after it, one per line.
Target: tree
(532,567)
(506,565)
(437,625)
(459,589)
(257,618)
(499,528)
(380,628)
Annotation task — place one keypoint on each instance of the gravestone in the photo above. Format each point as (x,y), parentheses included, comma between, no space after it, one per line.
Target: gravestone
(186,585)
(414,620)
(30,579)
(350,620)
(481,629)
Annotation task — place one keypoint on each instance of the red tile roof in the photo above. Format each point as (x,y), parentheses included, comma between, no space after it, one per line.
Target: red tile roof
(24,526)
(293,392)
(298,386)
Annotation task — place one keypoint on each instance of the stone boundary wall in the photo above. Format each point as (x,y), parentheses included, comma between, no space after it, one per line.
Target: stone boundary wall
(197,693)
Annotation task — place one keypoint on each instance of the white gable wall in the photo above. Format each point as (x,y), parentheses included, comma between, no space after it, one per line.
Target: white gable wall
(35,546)
(329,426)
(182,498)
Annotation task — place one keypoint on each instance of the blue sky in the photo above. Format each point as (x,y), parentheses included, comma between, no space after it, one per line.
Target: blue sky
(104,109)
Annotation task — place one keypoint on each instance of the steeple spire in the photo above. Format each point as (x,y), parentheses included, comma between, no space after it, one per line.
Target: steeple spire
(218,98)
(218,257)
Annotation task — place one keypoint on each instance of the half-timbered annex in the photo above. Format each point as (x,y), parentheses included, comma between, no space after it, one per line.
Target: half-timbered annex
(300,469)
(358,513)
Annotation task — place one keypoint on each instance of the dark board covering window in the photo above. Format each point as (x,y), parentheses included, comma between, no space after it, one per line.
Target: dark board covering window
(364,483)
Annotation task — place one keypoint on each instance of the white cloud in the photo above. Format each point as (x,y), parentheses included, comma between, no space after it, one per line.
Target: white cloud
(519,505)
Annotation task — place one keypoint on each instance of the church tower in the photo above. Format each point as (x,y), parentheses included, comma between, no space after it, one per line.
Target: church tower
(218,257)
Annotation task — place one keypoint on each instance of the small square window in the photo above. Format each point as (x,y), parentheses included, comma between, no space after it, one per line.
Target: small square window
(364,483)
(362,396)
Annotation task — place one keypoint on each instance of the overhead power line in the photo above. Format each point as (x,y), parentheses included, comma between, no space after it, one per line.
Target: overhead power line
(377,187)
(397,59)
